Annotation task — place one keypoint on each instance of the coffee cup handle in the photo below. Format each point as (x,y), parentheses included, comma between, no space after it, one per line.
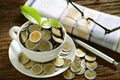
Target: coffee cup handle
(13,32)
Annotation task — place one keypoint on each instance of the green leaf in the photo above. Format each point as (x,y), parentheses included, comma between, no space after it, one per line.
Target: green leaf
(51,22)
(31,14)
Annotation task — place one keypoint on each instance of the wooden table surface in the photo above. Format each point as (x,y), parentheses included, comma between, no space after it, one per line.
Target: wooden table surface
(10,16)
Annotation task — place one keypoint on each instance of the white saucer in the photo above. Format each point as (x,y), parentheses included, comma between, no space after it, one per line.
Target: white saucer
(14,50)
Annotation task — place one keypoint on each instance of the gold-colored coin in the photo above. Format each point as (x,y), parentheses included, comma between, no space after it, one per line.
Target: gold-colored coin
(66,46)
(68,74)
(29,64)
(23,58)
(91,65)
(80,52)
(35,36)
(90,57)
(82,70)
(23,36)
(83,63)
(77,60)
(36,69)
(49,68)
(46,34)
(45,45)
(34,28)
(67,62)
(75,67)
(58,61)
(56,39)
(57,32)
(30,45)
(90,74)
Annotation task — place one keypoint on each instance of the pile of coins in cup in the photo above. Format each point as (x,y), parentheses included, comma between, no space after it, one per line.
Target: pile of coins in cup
(50,67)
(84,64)
(41,38)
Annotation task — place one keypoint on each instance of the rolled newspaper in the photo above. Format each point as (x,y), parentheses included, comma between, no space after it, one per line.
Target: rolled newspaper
(75,24)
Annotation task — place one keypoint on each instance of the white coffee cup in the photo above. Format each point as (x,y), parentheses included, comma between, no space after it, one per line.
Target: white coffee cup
(34,55)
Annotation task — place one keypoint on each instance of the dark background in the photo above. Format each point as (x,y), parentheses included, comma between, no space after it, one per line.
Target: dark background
(10,16)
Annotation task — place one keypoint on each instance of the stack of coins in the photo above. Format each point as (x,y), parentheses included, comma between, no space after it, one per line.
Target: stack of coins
(91,65)
(66,50)
(84,64)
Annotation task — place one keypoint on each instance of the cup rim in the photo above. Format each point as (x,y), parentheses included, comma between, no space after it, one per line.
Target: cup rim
(43,51)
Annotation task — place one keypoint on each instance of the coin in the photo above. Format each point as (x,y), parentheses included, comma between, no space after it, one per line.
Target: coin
(56,39)
(49,68)
(68,74)
(90,57)
(29,64)
(90,74)
(45,45)
(64,54)
(34,27)
(82,70)
(23,58)
(67,62)
(30,45)
(77,60)
(46,34)
(23,36)
(66,46)
(36,69)
(91,65)
(83,63)
(35,36)
(57,32)
(58,61)
(80,52)
(75,67)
